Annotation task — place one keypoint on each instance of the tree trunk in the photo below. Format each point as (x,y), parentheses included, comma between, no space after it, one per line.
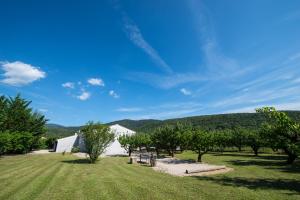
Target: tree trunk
(291,158)
(172,153)
(255,150)
(157,152)
(129,152)
(199,157)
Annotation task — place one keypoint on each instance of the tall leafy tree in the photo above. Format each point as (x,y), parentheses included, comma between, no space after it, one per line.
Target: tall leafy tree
(281,132)
(97,138)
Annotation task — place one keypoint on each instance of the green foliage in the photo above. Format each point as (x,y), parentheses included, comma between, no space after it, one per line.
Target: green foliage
(41,144)
(281,132)
(222,139)
(5,142)
(170,138)
(254,140)
(24,125)
(201,142)
(75,150)
(238,137)
(50,141)
(131,142)
(97,137)
(21,142)
(127,143)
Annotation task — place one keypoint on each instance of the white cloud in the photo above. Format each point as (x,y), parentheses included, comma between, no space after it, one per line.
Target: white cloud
(137,38)
(96,81)
(84,96)
(114,94)
(68,85)
(18,73)
(185,91)
(129,109)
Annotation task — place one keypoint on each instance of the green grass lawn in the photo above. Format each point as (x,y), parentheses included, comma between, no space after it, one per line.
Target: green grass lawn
(67,177)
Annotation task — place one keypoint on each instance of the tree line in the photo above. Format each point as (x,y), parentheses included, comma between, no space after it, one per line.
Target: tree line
(278,132)
(21,128)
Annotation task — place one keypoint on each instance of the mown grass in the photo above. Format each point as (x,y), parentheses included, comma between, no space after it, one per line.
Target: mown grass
(67,177)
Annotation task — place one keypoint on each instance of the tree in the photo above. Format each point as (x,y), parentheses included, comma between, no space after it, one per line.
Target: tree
(222,139)
(169,138)
(281,132)
(201,142)
(142,140)
(25,126)
(97,138)
(254,140)
(127,142)
(238,137)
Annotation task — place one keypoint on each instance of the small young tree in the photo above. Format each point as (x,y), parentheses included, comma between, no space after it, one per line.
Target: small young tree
(281,132)
(97,137)
(127,142)
(201,142)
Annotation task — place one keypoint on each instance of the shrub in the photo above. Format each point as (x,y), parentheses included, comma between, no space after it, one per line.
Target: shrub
(50,141)
(97,137)
(21,142)
(5,142)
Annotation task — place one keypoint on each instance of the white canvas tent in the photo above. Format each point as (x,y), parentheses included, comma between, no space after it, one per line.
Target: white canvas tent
(66,144)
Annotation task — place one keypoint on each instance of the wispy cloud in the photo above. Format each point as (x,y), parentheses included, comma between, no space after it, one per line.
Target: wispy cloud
(134,34)
(215,66)
(114,94)
(70,85)
(165,81)
(168,110)
(43,110)
(135,109)
(185,91)
(19,74)
(96,81)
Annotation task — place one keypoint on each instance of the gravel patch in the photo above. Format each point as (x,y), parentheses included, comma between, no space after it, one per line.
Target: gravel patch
(178,167)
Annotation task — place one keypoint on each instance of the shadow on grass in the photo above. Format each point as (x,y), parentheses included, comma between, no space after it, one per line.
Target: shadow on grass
(274,184)
(248,155)
(269,164)
(77,161)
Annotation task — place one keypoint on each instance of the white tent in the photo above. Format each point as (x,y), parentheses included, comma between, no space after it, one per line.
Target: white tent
(66,144)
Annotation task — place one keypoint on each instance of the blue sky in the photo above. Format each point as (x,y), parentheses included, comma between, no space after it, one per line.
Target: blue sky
(110,60)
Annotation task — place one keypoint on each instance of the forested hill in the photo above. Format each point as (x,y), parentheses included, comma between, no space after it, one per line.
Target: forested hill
(208,122)
(220,121)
